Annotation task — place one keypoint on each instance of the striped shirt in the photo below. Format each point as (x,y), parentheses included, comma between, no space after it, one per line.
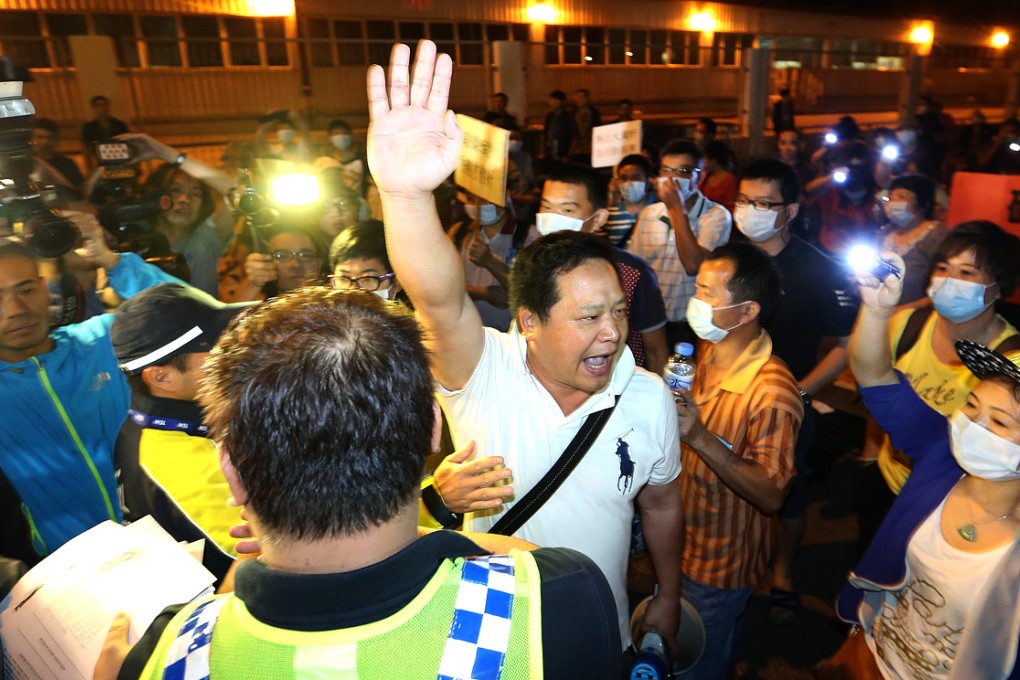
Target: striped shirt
(756,410)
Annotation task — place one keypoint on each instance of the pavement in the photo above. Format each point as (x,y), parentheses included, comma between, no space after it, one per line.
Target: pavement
(789,652)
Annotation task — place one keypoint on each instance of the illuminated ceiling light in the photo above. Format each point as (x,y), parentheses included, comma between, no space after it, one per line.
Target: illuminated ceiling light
(1000,39)
(629,53)
(587,58)
(922,33)
(542,13)
(272,8)
(702,21)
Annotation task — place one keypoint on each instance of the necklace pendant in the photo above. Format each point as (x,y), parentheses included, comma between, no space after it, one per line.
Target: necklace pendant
(967,532)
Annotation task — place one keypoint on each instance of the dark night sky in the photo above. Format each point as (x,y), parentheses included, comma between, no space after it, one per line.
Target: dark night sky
(984,12)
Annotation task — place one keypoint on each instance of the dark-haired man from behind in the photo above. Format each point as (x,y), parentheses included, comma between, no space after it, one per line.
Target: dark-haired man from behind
(329,473)
(817,303)
(53,167)
(522,396)
(168,467)
(738,426)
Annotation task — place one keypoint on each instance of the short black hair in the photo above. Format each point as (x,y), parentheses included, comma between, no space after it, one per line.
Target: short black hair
(756,277)
(338,123)
(922,187)
(545,260)
(995,250)
(625,101)
(138,384)
(591,179)
(638,160)
(364,240)
(322,399)
(718,152)
(583,90)
(711,127)
(687,147)
(98,98)
(773,169)
(558,94)
(501,95)
(47,124)
(14,246)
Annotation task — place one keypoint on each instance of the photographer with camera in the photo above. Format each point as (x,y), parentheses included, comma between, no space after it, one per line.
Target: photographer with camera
(63,400)
(198,223)
(292,259)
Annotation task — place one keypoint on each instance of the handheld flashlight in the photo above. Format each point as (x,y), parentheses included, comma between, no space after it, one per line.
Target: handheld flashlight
(1014,146)
(831,138)
(865,259)
(890,152)
(839,175)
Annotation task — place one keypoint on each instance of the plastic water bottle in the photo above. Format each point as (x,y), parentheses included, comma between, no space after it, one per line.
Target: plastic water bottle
(652,662)
(680,368)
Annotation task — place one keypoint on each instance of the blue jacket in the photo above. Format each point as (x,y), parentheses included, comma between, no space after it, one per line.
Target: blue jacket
(62,411)
(989,645)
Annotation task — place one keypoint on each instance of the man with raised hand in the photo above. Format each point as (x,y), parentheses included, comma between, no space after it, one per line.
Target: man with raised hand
(522,396)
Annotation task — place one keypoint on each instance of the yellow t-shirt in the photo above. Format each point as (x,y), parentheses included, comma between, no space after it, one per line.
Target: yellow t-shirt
(942,386)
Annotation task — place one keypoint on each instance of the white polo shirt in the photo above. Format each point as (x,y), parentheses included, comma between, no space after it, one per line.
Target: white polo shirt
(508,413)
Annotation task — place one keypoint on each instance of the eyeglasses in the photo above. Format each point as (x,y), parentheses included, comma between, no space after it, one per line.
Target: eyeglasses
(299,255)
(682,171)
(368,283)
(757,204)
(340,204)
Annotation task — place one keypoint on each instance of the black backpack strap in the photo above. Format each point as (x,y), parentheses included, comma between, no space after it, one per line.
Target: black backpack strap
(1010,344)
(515,518)
(912,330)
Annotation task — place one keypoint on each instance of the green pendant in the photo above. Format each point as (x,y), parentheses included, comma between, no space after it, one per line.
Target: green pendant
(967,532)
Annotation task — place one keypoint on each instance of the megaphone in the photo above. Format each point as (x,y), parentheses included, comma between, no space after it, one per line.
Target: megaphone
(690,636)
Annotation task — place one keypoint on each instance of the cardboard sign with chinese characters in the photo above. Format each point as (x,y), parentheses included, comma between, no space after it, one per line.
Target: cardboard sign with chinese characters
(610,143)
(482,166)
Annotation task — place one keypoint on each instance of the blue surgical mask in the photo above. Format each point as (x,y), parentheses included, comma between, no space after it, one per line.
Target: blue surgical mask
(485,214)
(633,191)
(958,300)
(549,223)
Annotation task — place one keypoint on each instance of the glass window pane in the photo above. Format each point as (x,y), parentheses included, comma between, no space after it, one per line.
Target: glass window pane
(350,45)
(572,45)
(20,38)
(520,32)
(274,30)
(659,54)
(320,48)
(243,41)
(411,30)
(61,26)
(617,46)
(638,52)
(442,36)
(594,45)
(497,32)
(121,29)
(381,35)
(470,38)
(203,41)
(163,45)
(552,47)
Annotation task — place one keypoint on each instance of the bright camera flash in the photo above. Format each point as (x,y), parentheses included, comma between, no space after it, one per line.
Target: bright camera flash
(890,152)
(296,189)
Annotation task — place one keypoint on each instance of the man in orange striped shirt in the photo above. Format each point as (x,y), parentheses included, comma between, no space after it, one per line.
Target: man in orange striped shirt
(738,428)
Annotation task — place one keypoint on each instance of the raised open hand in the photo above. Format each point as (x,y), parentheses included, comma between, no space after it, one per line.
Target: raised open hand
(413,139)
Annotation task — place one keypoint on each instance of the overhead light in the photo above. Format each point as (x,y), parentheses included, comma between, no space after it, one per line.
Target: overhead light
(542,13)
(1000,39)
(922,33)
(702,21)
(272,8)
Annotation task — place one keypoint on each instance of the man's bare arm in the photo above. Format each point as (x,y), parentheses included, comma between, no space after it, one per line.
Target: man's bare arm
(413,146)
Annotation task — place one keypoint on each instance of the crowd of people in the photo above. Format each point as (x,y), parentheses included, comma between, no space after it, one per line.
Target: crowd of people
(444,419)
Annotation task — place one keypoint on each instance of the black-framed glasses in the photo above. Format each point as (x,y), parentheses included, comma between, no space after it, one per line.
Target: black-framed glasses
(757,204)
(368,283)
(299,255)
(682,171)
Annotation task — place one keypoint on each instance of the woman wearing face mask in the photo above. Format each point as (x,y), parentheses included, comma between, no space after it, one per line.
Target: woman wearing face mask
(976,264)
(938,590)
(910,232)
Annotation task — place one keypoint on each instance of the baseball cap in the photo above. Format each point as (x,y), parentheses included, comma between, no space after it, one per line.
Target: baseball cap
(165,320)
(985,363)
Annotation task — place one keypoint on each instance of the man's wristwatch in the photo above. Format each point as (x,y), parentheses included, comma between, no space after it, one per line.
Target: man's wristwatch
(179,161)
(436,506)
(805,397)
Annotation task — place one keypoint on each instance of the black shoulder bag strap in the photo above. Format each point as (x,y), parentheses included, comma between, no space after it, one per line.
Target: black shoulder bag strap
(515,518)
(912,330)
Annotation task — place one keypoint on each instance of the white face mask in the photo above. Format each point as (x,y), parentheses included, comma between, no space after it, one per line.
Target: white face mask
(757,225)
(285,136)
(341,142)
(384,294)
(898,213)
(958,300)
(516,145)
(550,223)
(906,137)
(633,191)
(687,187)
(486,215)
(981,453)
(699,318)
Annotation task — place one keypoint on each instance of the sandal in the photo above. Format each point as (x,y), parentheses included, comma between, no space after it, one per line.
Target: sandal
(783,606)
